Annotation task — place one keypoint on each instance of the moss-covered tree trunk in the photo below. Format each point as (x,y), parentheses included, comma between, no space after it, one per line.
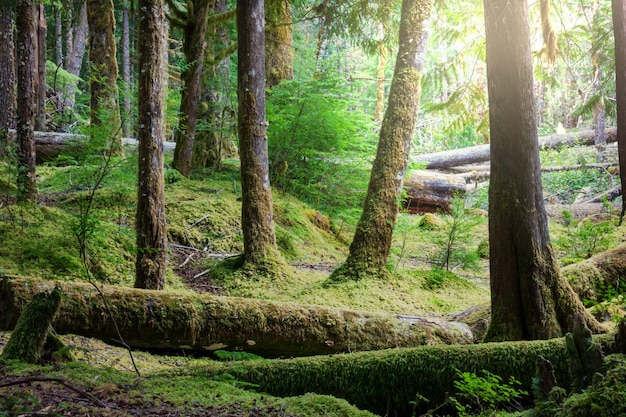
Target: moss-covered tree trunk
(151,228)
(380,74)
(372,240)
(104,101)
(259,237)
(529,296)
(26,48)
(31,331)
(7,76)
(194,47)
(278,42)
(127,109)
(619,31)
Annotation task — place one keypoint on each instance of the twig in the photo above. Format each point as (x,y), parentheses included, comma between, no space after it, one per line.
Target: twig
(175,246)
(74,388)
(190,257)
(197,221)
(202,273)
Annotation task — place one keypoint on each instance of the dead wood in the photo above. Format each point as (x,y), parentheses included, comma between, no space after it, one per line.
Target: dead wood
(430,191)
(168,320)
(580,210)
(481,153)
(80,391)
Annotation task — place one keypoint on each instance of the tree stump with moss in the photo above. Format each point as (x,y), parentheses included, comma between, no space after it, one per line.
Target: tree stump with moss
(31,331)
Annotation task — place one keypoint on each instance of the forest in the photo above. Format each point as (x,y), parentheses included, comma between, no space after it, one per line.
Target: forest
(312,208)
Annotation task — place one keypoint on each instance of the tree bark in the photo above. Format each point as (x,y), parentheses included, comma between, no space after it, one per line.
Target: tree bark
(126,72)
(31,330)
(26,48)
(167,320)
(104,101)
(530,298)
(481,153)
(259,237)
(194,46)
(429,191)
(619,30)
(151,227)
(380,74)
(40,80)
(7,77)
(278,44)
(372,240)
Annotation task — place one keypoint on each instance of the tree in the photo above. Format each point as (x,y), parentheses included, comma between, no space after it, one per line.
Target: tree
(104,102)
(259,237)
(26,66)
(126,70)
(619,30)
(278,45)
(40,79)
(530,298)
(7,76)
(194,21)
(372,240)
(151,259)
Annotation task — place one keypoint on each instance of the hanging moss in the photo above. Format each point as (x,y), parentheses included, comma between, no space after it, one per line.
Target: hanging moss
(31,331)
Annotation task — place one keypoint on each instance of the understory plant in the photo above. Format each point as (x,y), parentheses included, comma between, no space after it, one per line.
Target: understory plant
(583,238)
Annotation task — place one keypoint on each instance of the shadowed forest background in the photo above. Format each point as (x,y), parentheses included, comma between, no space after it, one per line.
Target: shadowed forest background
(338,209)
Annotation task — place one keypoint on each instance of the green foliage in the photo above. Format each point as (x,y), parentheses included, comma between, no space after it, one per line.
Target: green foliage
(453,242)
(485,393)
(438,278)
(227,355)
(324,142)
(583,238)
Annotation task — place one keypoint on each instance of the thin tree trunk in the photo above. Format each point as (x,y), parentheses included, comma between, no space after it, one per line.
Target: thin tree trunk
(372,240)
(7,77)
(380,75)
(104,102)
(26,66)
(40,83)
(194,47)
(126,68)
(259,237)
(530,298)
(151,227)
(278,42)
(58,36)
(75,44)
(619,30)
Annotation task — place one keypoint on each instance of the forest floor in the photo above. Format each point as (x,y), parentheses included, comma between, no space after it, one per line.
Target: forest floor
(204,227)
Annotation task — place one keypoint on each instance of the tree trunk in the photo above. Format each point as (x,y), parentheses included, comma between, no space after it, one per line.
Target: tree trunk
(126,72)
(429,192)
(380,75)
(619,30)
(481,153)
(170,320)
(372,240)
(278,44)
(26,66)
(7,77)
(530,298)
(58,36)
(104,101)
(151,228)
(259,237)
(194,46)
(40,80)
(31,330)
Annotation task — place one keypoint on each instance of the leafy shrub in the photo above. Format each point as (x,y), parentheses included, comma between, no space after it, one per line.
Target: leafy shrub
(583,239)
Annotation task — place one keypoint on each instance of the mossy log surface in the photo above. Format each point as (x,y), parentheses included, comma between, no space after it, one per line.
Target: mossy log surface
(385,382)
(31,331)
(160,319)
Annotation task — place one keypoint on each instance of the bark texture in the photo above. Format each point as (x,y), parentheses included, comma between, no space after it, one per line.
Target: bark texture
(194,46)
(126,72)
(151,227)
(167,320)
(26,66)
(372,240)
(619,30)
(278,44)
(7,77)
(104,101)
(529,296)
(259,236)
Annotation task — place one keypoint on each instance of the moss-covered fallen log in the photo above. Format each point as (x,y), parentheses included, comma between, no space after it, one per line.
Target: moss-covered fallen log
(592,277)
(385,382)
(173,320)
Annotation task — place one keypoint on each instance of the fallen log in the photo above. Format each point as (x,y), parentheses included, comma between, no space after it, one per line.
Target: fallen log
(430,191)
(580,210)
(169,320)
(49,145)
(386,382)
(481,153)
